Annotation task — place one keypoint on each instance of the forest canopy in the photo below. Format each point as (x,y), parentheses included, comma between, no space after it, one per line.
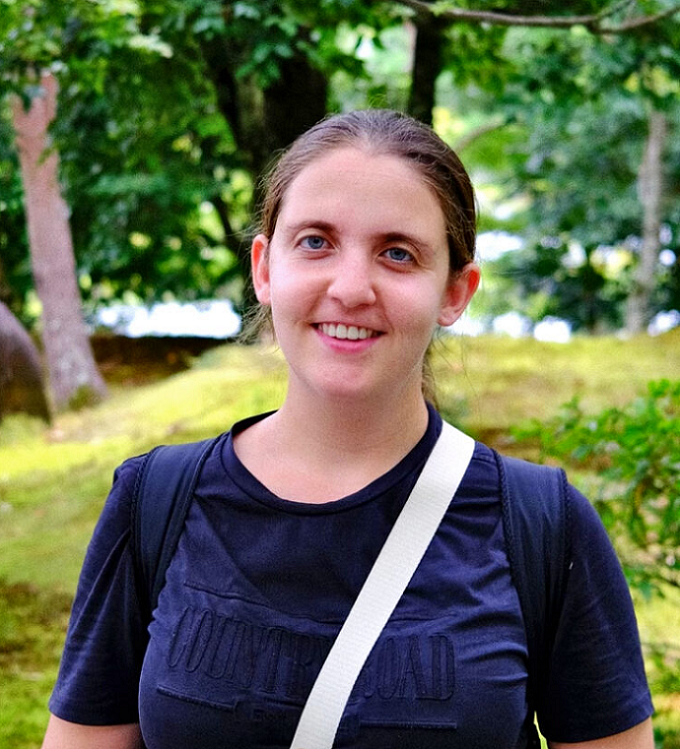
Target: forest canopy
(169,113)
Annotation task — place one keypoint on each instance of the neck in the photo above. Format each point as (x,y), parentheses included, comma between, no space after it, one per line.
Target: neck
(317,450)
(346,431)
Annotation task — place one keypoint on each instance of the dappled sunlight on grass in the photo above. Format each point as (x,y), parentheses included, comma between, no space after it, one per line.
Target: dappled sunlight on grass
(32,626)
(227,384)
(496,383)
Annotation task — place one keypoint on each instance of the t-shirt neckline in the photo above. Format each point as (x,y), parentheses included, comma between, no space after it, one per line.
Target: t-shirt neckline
(407,469)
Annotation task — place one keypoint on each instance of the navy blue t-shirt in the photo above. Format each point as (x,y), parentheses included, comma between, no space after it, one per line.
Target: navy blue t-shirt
(259,587)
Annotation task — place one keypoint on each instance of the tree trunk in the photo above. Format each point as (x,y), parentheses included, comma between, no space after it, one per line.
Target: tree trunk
(73,374)
(21,380)
(294,102)
(427,64)
(650,188)
(262,121)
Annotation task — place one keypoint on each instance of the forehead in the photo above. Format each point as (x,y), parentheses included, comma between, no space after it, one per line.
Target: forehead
(354,182)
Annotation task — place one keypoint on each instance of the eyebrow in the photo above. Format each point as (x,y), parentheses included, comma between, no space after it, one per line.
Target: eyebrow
(309,224)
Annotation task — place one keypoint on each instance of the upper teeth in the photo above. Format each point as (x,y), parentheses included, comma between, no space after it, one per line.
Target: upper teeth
(350,332)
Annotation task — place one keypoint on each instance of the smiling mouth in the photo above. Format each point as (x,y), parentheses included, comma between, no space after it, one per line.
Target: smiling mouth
(347,332)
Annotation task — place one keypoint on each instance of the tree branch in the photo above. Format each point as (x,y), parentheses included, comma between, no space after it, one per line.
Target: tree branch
(635,23)
(593,22)
(478,132)
(498,19)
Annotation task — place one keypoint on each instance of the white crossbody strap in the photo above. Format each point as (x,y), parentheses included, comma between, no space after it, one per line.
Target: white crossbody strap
(393,569)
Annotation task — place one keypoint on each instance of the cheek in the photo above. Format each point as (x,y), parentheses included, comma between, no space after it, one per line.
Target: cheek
(291,294)
(418,308)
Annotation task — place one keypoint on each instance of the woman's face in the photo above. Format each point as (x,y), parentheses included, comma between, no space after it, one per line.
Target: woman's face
(357,276)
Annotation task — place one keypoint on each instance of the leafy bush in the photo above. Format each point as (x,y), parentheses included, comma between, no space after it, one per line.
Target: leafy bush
(627,460)
(634,453)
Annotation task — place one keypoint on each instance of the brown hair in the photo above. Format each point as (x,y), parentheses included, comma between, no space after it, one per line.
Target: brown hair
(378,132)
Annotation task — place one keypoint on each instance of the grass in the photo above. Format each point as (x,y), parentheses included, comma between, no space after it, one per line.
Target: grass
(53,481)
(499,382)
(32,625)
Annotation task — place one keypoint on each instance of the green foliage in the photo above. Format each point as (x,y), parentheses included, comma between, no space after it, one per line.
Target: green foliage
(15,272)
(635,450)
(628,462)
(580,106)
(168,112)
(39,35)
(161,132)
(554,278)
(140,148)
(383,79)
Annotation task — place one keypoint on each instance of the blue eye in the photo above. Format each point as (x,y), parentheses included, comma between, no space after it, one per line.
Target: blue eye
(399,254)
(313,242)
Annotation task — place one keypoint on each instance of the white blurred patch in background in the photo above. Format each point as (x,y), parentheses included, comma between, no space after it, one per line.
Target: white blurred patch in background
(205,319)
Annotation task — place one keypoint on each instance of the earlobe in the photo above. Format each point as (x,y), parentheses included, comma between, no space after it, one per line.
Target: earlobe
(458,294)
(259,259)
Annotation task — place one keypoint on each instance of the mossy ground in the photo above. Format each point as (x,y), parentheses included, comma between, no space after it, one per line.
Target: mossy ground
(53,480)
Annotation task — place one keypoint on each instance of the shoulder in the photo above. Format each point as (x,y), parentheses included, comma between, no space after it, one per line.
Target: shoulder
(114,525)
(125,475)
(117,507)
(540,499)
(529,485)
(482,477)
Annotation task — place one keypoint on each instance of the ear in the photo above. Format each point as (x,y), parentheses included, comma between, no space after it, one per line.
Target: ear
(460,290)
(259,259)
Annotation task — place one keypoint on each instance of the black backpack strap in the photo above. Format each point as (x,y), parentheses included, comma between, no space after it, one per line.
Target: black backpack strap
(535,521)
(163,493)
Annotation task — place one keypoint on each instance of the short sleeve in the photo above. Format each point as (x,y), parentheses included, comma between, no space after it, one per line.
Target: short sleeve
(98,678)
(597,685)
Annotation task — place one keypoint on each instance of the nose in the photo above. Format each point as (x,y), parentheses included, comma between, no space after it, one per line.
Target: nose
(353,283)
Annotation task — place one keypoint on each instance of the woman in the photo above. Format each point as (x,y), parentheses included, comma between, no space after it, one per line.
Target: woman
(366,245)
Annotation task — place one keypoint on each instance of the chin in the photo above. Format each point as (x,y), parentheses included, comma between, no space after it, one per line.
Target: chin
(354,391)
